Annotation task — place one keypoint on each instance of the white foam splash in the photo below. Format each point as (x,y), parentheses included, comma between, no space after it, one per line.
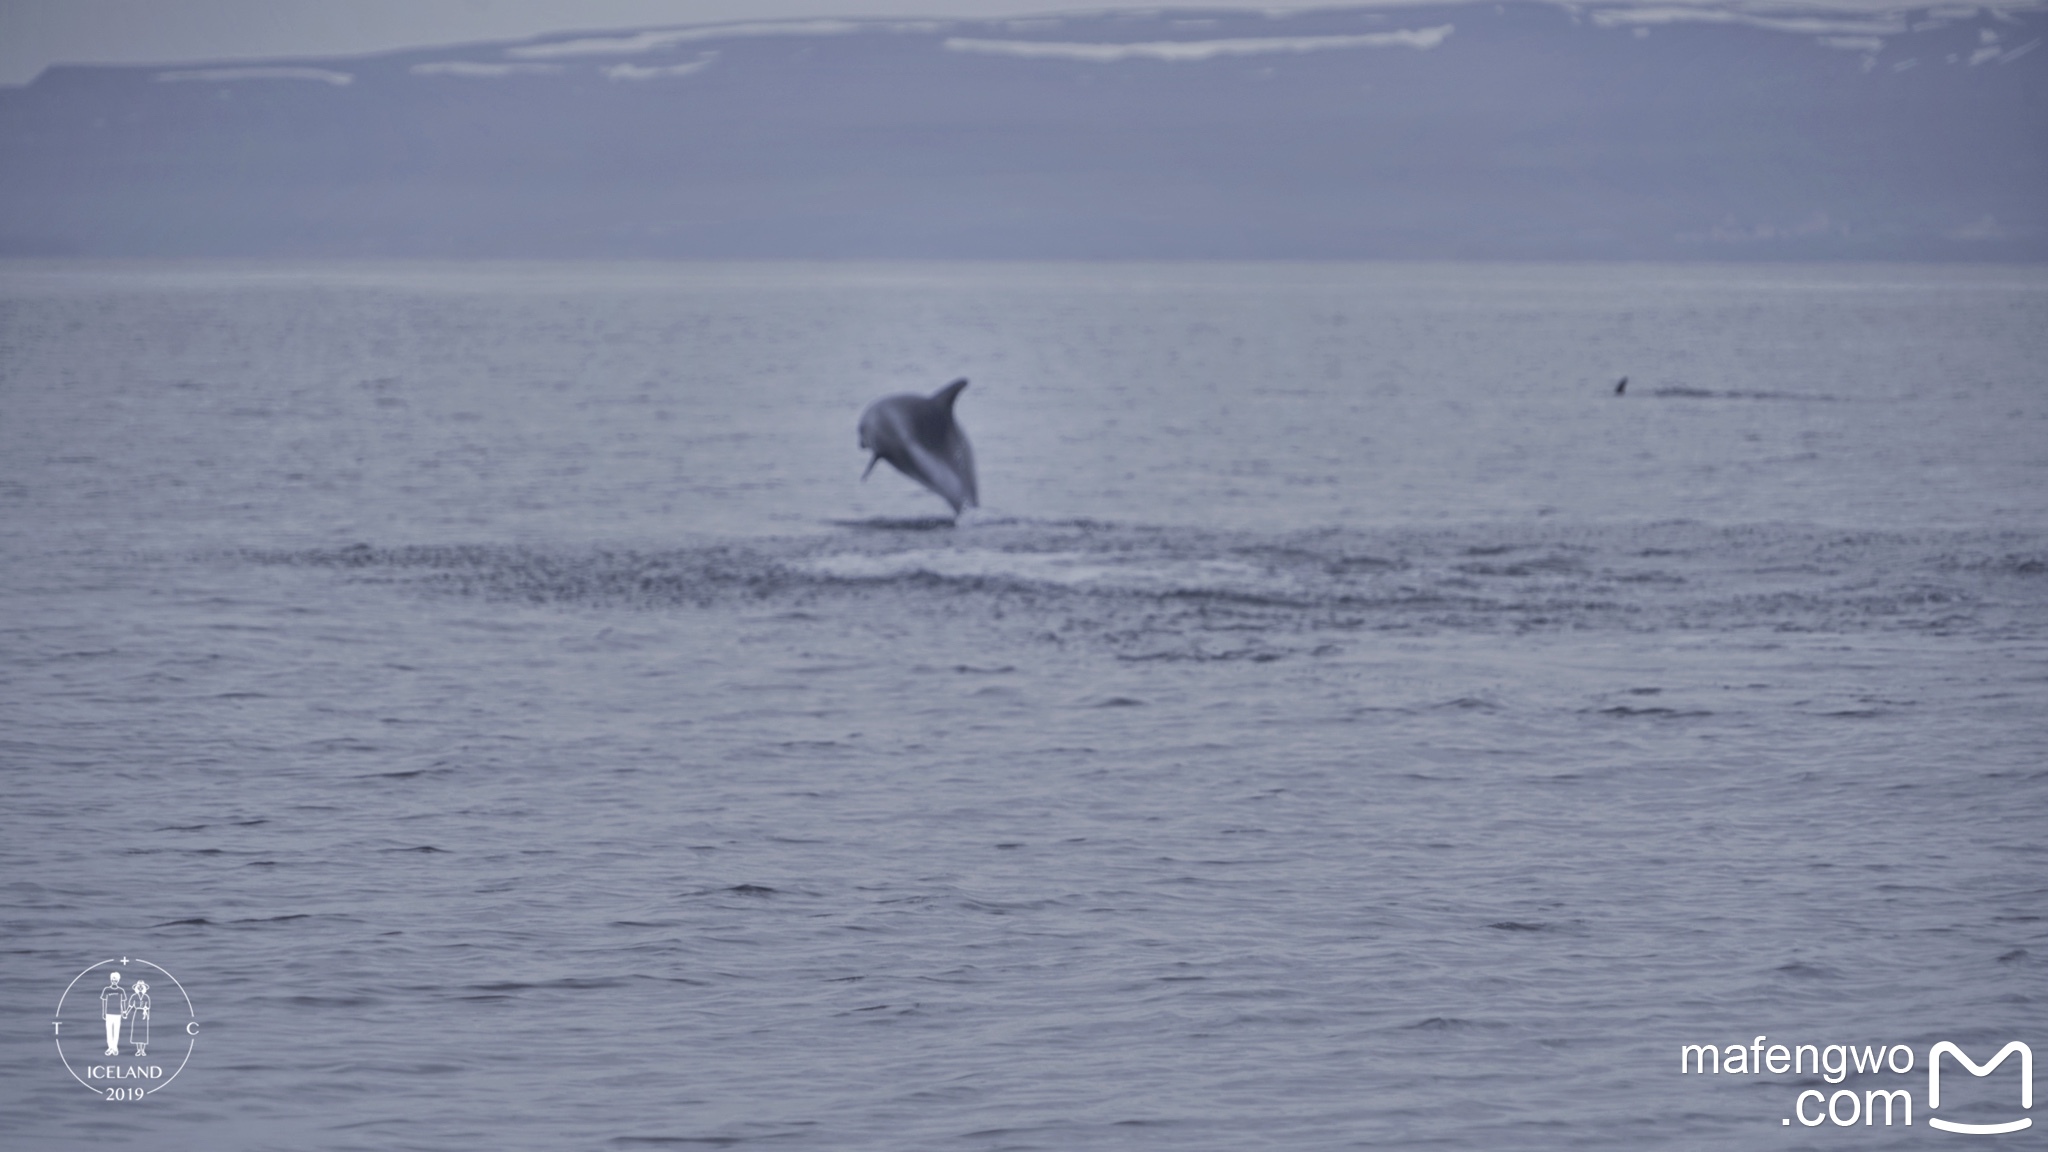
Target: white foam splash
(1060,569)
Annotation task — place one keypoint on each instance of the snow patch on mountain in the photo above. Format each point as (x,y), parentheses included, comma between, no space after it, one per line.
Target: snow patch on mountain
(317,75)
(483,70)
(1185,50)
(660,39)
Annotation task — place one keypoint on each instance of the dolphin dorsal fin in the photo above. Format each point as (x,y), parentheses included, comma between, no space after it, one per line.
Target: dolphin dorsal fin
(951,392)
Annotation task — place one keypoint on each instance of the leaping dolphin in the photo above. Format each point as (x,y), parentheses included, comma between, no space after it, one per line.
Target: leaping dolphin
(919,436)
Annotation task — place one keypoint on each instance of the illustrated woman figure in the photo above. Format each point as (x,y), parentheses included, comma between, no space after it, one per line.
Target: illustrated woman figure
(138,1017)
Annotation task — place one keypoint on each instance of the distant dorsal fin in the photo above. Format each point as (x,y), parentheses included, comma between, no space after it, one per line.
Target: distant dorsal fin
(951,392)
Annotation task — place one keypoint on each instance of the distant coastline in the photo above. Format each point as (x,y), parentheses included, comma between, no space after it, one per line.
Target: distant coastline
(1528,131)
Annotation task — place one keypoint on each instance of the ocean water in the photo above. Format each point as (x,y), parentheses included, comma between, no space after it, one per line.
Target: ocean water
(494,695)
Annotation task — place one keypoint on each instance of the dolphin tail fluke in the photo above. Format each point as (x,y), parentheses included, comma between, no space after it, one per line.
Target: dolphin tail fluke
(872,461)
(951,392)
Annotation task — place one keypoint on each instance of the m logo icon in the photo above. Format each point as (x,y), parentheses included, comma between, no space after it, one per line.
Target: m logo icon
(1934,1055)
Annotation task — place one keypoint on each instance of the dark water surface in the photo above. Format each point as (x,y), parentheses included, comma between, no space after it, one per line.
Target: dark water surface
(492,693)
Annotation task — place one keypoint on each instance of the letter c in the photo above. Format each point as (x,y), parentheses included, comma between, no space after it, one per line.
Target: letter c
(191,1027)
(1799,1108)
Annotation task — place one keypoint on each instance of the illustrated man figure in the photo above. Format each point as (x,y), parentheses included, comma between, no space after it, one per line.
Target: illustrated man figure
(113,1007)
(138,1017)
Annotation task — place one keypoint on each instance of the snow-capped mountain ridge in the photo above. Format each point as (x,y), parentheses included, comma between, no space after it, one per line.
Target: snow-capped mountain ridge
(1463,131)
